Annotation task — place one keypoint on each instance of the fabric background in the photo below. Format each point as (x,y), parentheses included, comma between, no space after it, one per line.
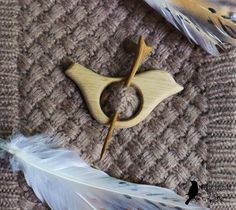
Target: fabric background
(188,136)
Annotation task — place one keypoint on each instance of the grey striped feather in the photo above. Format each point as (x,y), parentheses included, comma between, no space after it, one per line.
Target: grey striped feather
(63,180)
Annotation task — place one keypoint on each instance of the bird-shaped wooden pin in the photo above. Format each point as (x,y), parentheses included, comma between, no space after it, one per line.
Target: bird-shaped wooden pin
(154,86)
(209,23)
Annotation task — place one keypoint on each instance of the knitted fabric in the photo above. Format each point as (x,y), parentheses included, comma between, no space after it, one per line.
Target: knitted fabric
(9,79)
(190,136)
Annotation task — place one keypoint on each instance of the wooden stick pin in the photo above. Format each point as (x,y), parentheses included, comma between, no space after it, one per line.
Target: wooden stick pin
(154,86)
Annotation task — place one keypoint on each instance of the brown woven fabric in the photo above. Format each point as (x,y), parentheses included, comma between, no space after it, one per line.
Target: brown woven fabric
(188,136)
(219,73)
(9,79)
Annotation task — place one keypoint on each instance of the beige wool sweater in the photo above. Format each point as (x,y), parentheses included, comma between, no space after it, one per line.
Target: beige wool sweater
(191,135)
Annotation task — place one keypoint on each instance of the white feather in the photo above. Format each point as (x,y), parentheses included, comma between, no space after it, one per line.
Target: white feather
(211,31)
(64,181)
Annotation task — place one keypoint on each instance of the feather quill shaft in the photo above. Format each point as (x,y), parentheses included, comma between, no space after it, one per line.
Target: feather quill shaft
(63,180)
(209,23)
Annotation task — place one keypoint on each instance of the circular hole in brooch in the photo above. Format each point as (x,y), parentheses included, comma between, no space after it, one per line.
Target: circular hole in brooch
(118,97)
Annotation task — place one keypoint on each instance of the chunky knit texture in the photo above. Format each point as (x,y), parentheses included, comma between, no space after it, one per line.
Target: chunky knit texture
(188,136)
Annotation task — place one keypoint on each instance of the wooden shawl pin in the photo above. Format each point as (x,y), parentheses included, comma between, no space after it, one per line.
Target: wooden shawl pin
(154,86)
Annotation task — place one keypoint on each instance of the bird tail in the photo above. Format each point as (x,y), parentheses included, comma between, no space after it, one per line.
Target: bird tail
(187,201)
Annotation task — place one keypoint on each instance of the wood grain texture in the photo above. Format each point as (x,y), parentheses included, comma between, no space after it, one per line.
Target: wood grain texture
(154,86)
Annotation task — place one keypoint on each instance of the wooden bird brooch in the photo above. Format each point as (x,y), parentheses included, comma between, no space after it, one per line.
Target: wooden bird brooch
(153,86)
